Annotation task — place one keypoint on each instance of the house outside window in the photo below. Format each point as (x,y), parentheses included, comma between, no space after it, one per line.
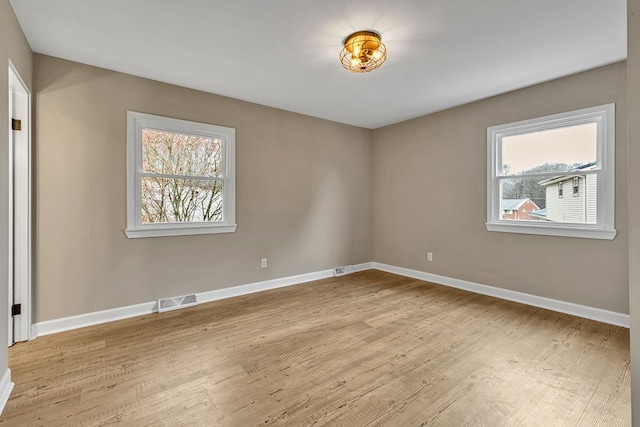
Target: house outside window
(518,209)
(180,177)
(582,207)
(535,159)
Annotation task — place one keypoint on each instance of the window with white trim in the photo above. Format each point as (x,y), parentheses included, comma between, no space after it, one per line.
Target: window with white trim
(532,159)
(180,177)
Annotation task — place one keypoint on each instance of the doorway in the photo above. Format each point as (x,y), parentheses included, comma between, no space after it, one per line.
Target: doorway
(19,209)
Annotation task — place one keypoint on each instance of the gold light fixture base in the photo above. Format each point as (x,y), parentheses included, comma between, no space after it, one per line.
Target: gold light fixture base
(363,52)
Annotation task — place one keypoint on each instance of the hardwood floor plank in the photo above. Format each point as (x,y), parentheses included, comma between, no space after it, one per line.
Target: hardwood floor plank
(368,349)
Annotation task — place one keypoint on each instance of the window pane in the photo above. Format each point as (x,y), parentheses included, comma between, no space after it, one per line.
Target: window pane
(561,149)
(533,199)
(181,154)
(167,200)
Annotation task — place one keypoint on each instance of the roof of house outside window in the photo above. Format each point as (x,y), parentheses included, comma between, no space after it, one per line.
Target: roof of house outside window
(560,178)
(512,204)
(540,213)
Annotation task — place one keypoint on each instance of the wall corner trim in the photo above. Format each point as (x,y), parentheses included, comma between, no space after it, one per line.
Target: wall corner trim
(600,315)
(97,317)
(6,386)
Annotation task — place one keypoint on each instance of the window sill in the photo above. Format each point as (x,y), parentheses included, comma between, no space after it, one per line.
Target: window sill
(579,232)
(164,231)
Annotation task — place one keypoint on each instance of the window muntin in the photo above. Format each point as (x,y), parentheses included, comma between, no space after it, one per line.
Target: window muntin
(181,177)
(534,158)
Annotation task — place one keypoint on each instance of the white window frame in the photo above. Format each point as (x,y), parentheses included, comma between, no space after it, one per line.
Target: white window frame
(604,117)
(136,122)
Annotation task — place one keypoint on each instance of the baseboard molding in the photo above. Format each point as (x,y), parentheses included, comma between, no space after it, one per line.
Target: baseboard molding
(598,314)
(104,316)
(93,318)
(6,386)
(272,284)
(97,317)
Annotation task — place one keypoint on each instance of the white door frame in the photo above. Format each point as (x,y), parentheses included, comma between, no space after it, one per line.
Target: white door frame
(19,208)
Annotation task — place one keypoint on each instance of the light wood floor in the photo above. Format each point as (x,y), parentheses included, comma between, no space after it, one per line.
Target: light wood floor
(367,349)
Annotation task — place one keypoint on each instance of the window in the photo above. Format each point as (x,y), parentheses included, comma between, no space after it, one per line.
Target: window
(533,158)
(180,177)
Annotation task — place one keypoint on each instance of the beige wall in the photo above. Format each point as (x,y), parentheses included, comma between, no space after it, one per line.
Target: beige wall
(303,194)
(633,70)
(429,194)
(13,47)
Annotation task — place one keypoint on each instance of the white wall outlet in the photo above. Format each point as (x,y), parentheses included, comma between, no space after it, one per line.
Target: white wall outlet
(429,256)
(263,263)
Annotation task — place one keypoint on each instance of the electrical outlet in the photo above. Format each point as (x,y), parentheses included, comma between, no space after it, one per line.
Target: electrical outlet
(263,263)
(429,256)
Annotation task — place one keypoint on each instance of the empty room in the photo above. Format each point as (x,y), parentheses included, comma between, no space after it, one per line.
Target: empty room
(340,213)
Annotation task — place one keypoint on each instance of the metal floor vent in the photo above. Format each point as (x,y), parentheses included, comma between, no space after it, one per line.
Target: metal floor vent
(342,271)
(175,303)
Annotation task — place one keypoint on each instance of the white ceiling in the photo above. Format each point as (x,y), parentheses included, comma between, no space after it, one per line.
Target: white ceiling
(284,53)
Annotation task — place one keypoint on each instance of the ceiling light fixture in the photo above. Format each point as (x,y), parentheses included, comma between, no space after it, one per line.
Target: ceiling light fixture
(363,52)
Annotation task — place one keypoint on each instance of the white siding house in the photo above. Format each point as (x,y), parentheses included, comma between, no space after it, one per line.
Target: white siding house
(572,199)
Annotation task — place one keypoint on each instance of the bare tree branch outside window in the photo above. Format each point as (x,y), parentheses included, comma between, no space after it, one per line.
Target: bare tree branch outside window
(182,177)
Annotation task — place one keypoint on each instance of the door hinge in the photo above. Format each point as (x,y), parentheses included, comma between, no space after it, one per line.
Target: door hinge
(16,309)
(16,124)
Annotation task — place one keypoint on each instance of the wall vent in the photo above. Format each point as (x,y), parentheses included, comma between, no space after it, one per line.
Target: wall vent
(174,303)
(342,271)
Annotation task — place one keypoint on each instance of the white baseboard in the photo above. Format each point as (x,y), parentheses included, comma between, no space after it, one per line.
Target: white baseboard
(272,284)
(94,318)
(5,389)
(598,314)
(104,316)
(98,317)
